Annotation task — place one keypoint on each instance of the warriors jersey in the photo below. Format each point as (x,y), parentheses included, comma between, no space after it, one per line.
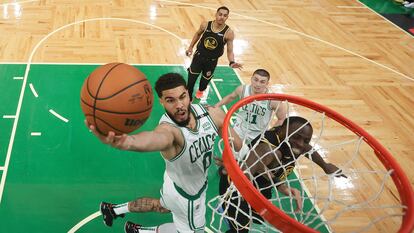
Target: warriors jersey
(188,169)
(211,44)
(288,159)
(252,119)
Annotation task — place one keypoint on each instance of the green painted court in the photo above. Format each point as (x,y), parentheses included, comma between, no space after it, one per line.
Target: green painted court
(54,173)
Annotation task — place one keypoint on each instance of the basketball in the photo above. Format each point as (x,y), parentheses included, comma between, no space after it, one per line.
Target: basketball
(116,97)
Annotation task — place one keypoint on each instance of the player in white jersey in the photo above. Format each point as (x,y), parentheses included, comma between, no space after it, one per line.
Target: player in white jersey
(185,137)
(253,119)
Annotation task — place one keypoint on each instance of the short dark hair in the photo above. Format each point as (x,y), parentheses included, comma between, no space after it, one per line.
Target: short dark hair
(262,72)
(296,119)
(169,81)
(223,8)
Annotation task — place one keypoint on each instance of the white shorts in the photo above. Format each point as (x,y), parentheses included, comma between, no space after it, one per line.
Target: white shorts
(188,213)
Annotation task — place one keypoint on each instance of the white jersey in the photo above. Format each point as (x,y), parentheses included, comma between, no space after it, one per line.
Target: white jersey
(188,170)
(252,119)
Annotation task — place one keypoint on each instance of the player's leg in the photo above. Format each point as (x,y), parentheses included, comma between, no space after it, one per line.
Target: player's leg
(140,205)
(237,208)
(193,72)
(207,74)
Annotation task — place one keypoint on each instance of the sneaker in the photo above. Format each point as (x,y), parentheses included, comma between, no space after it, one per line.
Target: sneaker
(409,5)
(108,213)
(199,94)
(131,227)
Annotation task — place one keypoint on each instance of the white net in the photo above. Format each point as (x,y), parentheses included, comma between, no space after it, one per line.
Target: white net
(366,200)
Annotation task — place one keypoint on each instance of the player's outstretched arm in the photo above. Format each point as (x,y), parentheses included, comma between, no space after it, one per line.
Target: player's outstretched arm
(158,140)
(230,97)
(281,111)
(196,37)
(260,158)
(218,117)
(283,188)
(328,168)
(230,53)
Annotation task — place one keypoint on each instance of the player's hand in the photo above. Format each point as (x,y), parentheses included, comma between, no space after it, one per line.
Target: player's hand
(298,198)
(236,65)
(218,161)
(332,169)
(120,142)
(189,52)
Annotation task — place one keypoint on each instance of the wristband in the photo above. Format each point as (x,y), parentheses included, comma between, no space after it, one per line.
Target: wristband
(231,63)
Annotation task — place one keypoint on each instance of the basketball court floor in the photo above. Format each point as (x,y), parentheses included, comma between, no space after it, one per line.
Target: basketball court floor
(54,173)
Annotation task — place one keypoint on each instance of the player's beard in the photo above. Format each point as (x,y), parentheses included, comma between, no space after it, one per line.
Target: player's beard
(182,123)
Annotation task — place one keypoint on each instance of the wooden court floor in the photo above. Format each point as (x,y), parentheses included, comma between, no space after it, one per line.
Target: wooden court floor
(335,52)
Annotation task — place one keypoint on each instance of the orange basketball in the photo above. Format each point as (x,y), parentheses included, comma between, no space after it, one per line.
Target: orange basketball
(116,97)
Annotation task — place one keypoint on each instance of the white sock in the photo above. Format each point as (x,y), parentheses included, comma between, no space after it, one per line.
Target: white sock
(121,209)
(164,228)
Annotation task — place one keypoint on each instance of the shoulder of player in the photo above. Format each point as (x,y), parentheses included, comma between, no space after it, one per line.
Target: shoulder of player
(217,115)
(238,92)
(229,34)
(203,25)
(274,104)
(167,129)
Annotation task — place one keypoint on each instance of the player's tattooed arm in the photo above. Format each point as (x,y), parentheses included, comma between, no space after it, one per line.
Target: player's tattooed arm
(147,204)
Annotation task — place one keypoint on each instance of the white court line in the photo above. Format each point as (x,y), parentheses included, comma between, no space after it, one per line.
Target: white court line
(58,115)
(86,63)
(36,134)
(213,83)
(84,221)
(386,19)
(97,214)
(89,218)
(17,78)
(16,3)
(33,90)
(1,168)
(9,116)
(302,34)
(352,7)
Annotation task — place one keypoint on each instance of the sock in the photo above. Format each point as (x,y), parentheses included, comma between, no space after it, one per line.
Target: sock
(121,209)
(164,228)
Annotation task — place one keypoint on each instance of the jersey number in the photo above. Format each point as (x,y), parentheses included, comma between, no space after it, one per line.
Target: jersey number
(207,160)
(252,118)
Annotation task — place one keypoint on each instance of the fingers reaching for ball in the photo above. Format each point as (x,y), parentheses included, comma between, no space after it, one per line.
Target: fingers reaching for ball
(117,141)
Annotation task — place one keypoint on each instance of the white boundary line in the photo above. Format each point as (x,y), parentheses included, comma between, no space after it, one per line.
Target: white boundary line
(9,116)
(33,90)
(385,19)
(1,168)
(17,78)
(58,115)
(16,3)
(299,33)
(352,7)
(29,62)
(84,221)
(36,134)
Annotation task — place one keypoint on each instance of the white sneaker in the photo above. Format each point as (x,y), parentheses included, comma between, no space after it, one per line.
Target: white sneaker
(410,5)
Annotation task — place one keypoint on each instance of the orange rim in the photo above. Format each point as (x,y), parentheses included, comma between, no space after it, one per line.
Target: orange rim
(277,217)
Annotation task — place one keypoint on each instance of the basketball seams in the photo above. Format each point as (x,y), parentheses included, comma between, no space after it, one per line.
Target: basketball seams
(125,99)
(97,92)
(106,123)
(123,89)
(107,111)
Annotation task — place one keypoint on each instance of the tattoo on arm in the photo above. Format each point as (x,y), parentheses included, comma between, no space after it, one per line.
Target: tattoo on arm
(147,204)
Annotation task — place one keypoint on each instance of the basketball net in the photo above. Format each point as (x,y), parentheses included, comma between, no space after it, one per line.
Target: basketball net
(376,196)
